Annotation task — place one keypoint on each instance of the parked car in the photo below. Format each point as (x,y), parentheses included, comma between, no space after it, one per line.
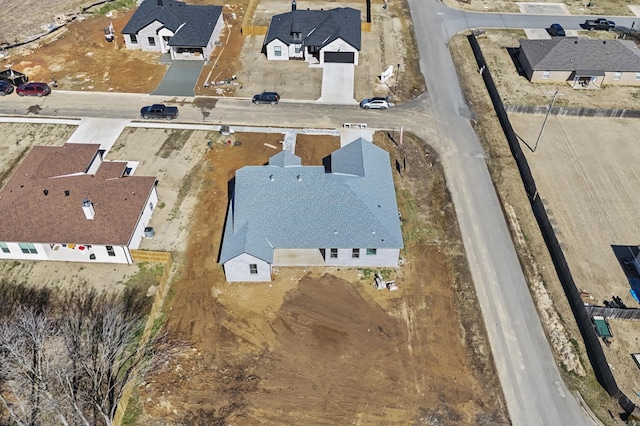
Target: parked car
(266,98)
(599,24)
(6,87)
(556,30)
(33,89)
(375,103)
(159,111)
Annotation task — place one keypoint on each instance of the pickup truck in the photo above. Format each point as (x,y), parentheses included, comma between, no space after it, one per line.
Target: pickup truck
(599,24)
(159,111)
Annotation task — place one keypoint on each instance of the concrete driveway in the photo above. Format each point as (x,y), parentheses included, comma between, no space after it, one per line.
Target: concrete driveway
(180,79)
(337,84)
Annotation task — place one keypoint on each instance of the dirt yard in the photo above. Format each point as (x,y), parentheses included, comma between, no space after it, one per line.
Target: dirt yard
(576,7)
(321,345)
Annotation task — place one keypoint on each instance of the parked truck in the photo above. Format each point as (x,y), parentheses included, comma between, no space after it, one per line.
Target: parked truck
(159,111)
(599,24)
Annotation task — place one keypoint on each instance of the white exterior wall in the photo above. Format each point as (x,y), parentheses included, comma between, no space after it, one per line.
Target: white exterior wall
(382,258)
(164,32)
(211,45)
(150,30)
(143,222)
(284,49)
(68,253)
(292,51)
(237,269)
(339,45)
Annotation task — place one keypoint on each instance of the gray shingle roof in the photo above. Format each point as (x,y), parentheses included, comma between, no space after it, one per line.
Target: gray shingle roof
(571,53)
(199,21)
(317,27)
(304,207)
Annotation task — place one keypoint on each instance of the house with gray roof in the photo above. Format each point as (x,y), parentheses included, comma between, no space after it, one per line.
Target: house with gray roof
(583,63)
(286,214)
(169,26)
(66,203)
(315,36)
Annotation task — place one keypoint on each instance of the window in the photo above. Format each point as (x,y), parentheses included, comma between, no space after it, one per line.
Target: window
(277,51)
(4,247)
(152,41)
(334,253)
(638,76)
(617,76)
(253,269)
(371,252)
(545,75)
(134,39)
(28,248)
(110,251)
(298,48)
(355,253)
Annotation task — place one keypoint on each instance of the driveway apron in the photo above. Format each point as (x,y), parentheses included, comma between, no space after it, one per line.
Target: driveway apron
(180,79)
(337,84)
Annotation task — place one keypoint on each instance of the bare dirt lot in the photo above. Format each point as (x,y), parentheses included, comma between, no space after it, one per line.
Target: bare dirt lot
(321,345)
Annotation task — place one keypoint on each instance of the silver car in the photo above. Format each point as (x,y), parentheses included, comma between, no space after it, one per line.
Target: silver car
(375,103)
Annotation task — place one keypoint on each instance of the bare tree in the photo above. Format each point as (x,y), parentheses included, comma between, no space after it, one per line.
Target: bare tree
(71,367)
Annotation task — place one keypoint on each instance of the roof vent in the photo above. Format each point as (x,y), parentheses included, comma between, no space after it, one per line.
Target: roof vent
(271,178)
(46,192)
(66,192)
(87,208)
(575,42)
(604,41)
(299,177)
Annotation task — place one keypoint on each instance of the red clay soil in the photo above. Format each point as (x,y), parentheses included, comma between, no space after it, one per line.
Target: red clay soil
(321,346)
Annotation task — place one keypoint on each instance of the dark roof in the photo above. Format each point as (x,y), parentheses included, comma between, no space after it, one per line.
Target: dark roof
(572,53)
(199,21)
(30,216)
(317,27)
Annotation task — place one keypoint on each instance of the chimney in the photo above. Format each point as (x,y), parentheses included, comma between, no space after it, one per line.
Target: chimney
(87,208)
(293,5)
(159,2)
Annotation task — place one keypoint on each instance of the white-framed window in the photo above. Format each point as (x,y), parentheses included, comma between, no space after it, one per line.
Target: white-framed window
(333,253)
(277,51)
(372,252)
(355,253)
(134,39)
(5,248)
(28,248)
(253,268)
(617,75)
(546,74)
(638,76)
(298,48)
(152,41)
(111,251)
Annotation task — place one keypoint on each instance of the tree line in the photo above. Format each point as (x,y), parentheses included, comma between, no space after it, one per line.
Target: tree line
(65,357)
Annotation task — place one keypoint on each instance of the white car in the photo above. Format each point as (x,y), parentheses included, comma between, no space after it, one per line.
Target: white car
(375,103)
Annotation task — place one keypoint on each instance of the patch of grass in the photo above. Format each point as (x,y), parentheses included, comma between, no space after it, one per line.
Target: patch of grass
(115,5)
(148,274)
(134,409)
(161,205)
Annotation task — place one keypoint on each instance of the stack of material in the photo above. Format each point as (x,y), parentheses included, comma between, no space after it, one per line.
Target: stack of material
(379,282)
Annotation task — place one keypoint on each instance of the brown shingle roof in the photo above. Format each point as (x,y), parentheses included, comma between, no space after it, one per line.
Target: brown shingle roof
(28,215)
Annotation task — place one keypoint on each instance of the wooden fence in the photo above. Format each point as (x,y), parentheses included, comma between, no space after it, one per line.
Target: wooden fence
(167,262)
(249,30)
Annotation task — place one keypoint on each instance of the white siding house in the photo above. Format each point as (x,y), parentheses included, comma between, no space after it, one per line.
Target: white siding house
(316,36)
(285,214)
(170,26)
(77,207)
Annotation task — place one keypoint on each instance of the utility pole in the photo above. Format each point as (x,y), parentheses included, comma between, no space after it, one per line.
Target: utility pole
(553,100)
(395,90)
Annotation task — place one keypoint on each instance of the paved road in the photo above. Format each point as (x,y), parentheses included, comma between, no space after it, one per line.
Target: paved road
(532,386)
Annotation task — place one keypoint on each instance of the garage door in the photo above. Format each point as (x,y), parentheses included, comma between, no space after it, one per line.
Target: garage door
(340,57)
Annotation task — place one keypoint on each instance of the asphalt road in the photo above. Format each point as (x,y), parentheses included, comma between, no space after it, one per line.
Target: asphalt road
(534,391)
